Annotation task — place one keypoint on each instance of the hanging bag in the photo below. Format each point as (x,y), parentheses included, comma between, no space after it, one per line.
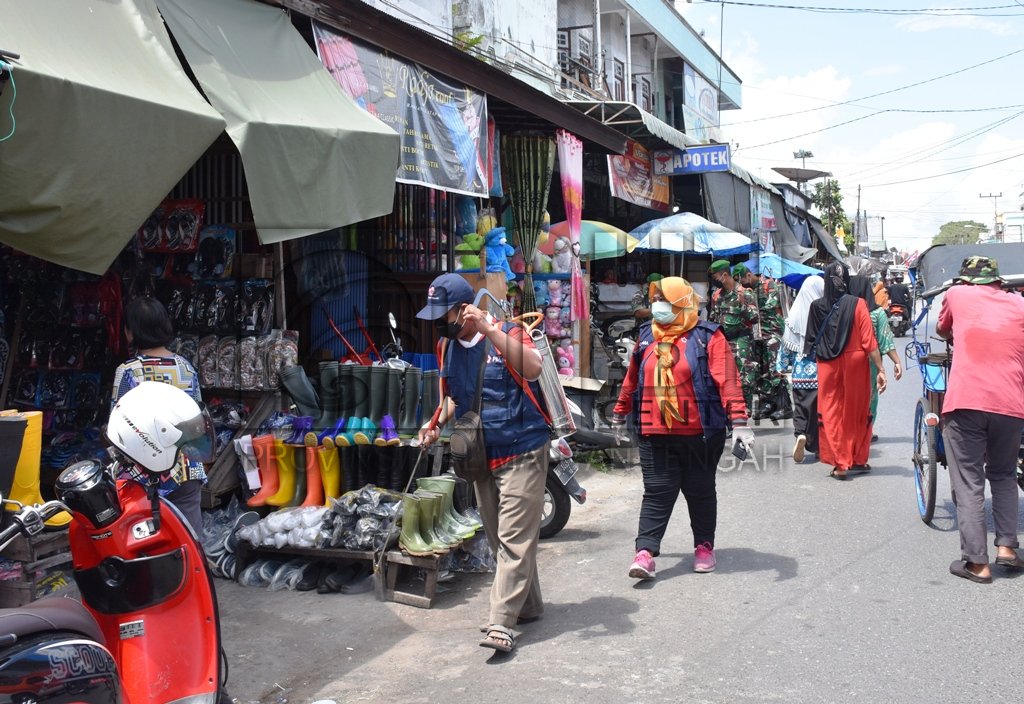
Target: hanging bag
(469,455)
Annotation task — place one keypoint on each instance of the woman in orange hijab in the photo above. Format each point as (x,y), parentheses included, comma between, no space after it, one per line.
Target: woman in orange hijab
(682,389)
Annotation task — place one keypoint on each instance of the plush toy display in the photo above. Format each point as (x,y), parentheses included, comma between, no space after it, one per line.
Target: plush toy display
(517,262)
(561,262)
(552,326)
(555,296)
(486,222)
(498,252)
(540,294)
(469,251)
(565,317)
(566,357)
(541,262)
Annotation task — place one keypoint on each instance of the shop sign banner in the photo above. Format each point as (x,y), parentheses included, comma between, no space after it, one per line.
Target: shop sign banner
(762,216)
(442,124)
(692,160)
(700,95)
(632,178)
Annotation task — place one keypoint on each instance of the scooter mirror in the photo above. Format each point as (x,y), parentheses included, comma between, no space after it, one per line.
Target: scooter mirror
(392,322)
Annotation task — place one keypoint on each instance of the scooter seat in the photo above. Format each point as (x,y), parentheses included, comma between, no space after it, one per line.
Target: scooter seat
(55,613)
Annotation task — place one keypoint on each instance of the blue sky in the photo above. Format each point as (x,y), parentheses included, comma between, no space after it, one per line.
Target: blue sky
(808,62)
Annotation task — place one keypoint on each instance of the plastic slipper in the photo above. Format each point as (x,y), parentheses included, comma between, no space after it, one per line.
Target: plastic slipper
(837,473)
(499,638)
(860,468)
(959,568)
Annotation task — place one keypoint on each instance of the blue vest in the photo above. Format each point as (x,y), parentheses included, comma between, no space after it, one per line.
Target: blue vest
(709,401)
(512,424)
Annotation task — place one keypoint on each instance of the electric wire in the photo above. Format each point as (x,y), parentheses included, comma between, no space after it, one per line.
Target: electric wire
(852,101)
(948,173)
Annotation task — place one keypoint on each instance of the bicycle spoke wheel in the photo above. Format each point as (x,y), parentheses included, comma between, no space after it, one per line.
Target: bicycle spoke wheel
(924,462)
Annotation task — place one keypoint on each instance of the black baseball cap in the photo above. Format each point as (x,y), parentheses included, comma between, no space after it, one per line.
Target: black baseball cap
(445,292)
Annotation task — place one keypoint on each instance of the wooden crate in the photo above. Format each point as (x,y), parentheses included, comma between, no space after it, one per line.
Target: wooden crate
(46,553)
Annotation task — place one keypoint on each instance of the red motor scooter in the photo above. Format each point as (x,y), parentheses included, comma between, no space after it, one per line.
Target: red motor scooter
(147,629)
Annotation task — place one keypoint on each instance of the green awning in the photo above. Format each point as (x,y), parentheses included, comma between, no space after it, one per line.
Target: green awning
(107,123)
(313,159)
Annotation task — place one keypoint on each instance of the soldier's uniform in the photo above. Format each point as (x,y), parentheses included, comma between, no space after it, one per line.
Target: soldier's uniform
(772,324)
(736,312)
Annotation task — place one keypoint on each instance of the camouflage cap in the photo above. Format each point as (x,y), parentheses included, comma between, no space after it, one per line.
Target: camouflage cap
(718,265)
(979,270)
(651,278)
(739,271)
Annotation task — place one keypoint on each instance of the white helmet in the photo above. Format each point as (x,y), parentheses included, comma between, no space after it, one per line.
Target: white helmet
(154,421)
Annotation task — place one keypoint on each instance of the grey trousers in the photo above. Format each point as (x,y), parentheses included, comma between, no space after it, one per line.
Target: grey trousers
(982,446)
(511,501)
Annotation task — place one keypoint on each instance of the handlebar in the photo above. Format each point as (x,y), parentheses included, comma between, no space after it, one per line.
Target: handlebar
(29,520)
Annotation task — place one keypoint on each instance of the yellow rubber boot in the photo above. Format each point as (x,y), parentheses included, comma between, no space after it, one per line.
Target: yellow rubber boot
(330,473)
(285,473)
(26,476)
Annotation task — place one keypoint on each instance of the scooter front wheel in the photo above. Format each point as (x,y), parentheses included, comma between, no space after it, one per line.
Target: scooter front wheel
(557,508)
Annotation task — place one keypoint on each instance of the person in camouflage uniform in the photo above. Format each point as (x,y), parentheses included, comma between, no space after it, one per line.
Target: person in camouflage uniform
(771,385)
(735,308)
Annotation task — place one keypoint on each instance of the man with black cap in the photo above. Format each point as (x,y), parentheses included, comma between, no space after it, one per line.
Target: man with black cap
(735,309)
(983,413)
(516,436)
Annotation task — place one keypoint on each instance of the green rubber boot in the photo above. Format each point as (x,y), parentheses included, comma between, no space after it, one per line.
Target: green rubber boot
(408,427)
(430,504)
(452,522)
(410,539)
(299,453)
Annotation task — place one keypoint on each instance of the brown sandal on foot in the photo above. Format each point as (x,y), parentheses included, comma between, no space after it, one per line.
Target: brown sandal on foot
(499,638)
(837,473)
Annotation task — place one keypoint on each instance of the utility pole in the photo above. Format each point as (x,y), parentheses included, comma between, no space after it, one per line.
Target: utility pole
(856,223)
(995,214)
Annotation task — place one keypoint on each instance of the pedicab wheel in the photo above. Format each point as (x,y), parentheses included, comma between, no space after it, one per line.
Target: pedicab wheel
(924,462)
(557,508)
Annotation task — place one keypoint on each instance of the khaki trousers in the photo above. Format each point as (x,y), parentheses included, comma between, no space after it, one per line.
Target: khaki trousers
(511,501)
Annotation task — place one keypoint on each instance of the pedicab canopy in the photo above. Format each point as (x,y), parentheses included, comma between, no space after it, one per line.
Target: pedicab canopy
(108,122)
(941,264)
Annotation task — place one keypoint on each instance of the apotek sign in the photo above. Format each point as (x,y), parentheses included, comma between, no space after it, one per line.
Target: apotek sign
(692,160)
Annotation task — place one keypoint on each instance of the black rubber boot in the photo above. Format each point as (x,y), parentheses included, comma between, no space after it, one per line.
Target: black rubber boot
(401,466)
(298,386)
(408,426)
(378,393)
(349,475)
(12,432)
(431,394)
(345,391)
(366,472)
(393,395)
(359,401)
(383,458)
(328,396)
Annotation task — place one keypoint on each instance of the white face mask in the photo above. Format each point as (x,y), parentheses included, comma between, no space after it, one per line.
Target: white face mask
(662,312)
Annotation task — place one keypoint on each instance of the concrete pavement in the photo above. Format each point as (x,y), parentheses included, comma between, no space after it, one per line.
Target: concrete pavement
(825,591)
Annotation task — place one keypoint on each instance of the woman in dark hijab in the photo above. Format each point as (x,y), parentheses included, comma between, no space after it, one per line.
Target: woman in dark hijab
(840,336)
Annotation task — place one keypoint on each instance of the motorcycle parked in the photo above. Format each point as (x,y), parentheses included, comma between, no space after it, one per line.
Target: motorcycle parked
(562,486)
(899,319)
(147,629)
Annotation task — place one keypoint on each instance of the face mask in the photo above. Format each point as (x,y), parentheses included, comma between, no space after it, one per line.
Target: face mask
(446,329)
(662,312)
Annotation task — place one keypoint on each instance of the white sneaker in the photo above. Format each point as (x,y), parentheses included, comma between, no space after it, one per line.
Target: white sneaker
(799,447)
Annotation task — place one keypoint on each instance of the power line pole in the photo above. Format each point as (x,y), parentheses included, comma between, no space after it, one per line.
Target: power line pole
(995,213)
(856,223)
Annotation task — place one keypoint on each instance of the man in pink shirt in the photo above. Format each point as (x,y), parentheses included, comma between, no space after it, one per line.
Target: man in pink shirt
(983,412)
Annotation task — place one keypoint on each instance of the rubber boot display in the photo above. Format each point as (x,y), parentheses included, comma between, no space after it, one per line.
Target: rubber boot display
(266,459)
(300,426)
(382,459)
(360,387)
(441,530)
(349,476)
(25,485)
(429,504)
(449,522)
(410,539)
(298,386)
(446,487)
(299,493)
(401,467)
(378,393)
(327,435)
(366,433)
(408,425)
(431,394)
(330,472)
(448,528)
(328,396)
(348,438)
(314,480)
(392,406)
(12,434)
(285,456)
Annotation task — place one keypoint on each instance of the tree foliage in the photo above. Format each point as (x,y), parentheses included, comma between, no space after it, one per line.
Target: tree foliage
(828,199)
(960,232)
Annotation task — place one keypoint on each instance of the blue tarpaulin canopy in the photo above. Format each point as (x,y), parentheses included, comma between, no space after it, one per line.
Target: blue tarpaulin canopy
(791,273)
(689,233)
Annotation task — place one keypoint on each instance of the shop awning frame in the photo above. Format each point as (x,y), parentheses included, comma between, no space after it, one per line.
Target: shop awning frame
(638,124)
(362,21)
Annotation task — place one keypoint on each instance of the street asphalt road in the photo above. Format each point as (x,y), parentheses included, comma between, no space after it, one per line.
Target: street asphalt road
(825,591)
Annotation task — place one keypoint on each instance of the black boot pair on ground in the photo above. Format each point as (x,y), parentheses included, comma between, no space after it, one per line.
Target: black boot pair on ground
(332,577)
